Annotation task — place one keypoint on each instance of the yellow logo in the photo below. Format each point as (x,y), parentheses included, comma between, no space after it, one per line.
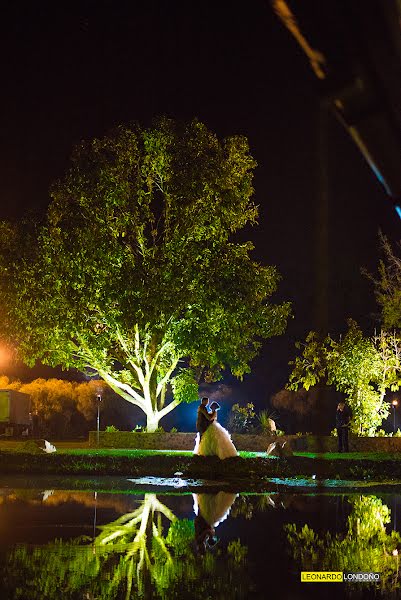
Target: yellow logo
(321,576)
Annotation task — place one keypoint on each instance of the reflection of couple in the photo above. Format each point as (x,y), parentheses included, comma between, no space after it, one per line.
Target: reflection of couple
(210,511)
(212,439)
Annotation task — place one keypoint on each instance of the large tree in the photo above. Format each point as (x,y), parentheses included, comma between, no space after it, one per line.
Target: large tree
(135,273)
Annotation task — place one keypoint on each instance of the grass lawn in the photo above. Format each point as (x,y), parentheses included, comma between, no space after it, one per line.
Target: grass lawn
(81,448)
(351,455)
(6,444)
(378,456)
(139,453)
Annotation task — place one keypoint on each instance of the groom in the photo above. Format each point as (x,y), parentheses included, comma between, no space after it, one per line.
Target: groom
(204,417)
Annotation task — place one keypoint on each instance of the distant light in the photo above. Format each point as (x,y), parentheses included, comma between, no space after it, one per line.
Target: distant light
(398,210)
(5,355)
(394,402)
(395,552)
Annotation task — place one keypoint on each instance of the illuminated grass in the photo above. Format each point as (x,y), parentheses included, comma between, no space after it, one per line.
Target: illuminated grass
(122,452)
(351,455)
(134,453)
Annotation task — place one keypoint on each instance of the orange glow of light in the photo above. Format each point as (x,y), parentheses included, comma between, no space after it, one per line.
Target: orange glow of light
(5,355)
(394,402)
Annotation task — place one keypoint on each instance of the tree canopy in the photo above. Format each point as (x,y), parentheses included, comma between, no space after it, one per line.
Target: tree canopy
(388,285)
(365,546)
(66,408)
(361,367)
(135,272)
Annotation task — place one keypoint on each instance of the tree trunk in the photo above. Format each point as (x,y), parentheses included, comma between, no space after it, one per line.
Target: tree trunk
(152,421)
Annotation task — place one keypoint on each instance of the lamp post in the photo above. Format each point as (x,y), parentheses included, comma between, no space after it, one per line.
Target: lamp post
(99,399)
(394,403)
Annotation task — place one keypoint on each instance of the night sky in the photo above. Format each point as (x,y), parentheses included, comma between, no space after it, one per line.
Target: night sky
(74,70)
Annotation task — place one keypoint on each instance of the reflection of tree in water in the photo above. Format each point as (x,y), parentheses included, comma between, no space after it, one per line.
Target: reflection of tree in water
(147,553)
(364,546)
(246,506)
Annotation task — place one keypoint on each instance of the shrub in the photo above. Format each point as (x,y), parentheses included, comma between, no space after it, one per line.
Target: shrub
(267,421)
(382,433)
(31,446)
(242,418)
(111,429)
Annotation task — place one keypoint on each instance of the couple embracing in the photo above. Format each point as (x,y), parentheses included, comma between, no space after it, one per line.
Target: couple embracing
(212,439)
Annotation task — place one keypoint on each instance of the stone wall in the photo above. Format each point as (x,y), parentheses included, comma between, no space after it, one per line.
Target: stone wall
(175,441)
(314,443)
(143,441)
(252,443)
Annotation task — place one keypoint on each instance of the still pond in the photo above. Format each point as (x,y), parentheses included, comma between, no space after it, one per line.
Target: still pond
(112,539)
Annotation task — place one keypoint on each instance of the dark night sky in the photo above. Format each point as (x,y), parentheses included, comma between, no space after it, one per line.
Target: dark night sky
(73,70)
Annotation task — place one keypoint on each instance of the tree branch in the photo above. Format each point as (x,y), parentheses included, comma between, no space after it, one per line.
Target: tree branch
(164,411)
(166,378)
(124,390)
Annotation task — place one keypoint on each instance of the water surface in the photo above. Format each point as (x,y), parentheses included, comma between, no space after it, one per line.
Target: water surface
(106,539)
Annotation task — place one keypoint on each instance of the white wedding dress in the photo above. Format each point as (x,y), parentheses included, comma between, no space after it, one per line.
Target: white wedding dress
(216,441)
(214,508)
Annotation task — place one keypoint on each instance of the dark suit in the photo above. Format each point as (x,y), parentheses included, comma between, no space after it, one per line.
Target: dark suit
(343,418)
(202,420)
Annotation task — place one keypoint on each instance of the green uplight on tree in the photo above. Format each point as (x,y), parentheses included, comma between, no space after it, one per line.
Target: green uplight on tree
(134,272)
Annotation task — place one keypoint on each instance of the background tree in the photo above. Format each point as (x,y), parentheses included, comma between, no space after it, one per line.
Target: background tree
(388,285)
(135,274)
(365,546)
(362,368)
(68,408)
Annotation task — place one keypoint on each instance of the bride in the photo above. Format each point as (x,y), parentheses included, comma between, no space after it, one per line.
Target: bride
(215,441)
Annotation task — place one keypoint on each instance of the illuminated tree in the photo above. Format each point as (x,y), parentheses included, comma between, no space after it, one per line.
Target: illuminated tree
(363,368)
(135,274)
(58,402)
(388,285)
(366,545)
(136,556)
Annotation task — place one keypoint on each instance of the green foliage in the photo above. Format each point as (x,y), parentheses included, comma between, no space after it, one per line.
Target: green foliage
(388,285)
(237,552)
(310,367)
(31,447)
(366,545)
(135,269)
(145,553)
(363,368)
(111,429)
(174,430)
(138,429)
(265,418)
(382,433)
(242,419)
(185,386)
(180,535)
